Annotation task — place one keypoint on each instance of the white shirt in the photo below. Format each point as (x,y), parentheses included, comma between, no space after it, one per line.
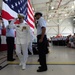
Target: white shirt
(41,23)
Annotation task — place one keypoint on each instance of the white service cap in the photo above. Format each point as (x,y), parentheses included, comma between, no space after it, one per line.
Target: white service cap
(21,15)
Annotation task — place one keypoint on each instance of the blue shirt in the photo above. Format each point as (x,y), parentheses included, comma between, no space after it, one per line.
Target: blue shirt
(10,32)
(1,29)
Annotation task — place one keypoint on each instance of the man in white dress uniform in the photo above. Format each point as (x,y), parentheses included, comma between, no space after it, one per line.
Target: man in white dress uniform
(23,39)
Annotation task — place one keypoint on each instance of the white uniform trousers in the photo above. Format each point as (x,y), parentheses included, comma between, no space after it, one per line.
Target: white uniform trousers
(30,47)
(22,52)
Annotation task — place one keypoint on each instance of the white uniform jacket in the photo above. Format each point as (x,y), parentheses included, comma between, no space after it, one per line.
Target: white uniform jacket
(22,33)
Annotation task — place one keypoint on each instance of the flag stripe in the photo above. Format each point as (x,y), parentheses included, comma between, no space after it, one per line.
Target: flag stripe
(6,8)
(30,16)
(30,23)
(30,8)
(8,16)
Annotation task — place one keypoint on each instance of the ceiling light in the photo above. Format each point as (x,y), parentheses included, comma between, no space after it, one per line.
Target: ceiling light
(52,8)
(73,7)
(65,14)
(50,16)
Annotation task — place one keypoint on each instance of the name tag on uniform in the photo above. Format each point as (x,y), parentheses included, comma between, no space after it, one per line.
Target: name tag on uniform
(24,27)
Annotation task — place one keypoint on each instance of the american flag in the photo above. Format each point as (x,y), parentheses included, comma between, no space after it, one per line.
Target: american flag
(11,8)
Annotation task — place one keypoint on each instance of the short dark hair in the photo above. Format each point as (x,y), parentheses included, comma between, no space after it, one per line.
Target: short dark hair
(38,13)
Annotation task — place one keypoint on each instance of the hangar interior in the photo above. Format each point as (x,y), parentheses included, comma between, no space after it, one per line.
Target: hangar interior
(60,18)
(59,15)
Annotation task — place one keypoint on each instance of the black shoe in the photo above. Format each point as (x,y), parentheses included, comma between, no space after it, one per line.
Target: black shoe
(11,60)
(40,67)
(0,67)
(41,70)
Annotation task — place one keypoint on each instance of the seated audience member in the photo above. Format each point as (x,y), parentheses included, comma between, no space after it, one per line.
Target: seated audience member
(71,41)
(67,41)
(74,39)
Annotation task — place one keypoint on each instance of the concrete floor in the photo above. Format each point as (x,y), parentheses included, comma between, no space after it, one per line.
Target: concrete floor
(60,60)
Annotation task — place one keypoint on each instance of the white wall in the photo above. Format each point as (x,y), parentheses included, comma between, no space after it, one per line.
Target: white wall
(64,27)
